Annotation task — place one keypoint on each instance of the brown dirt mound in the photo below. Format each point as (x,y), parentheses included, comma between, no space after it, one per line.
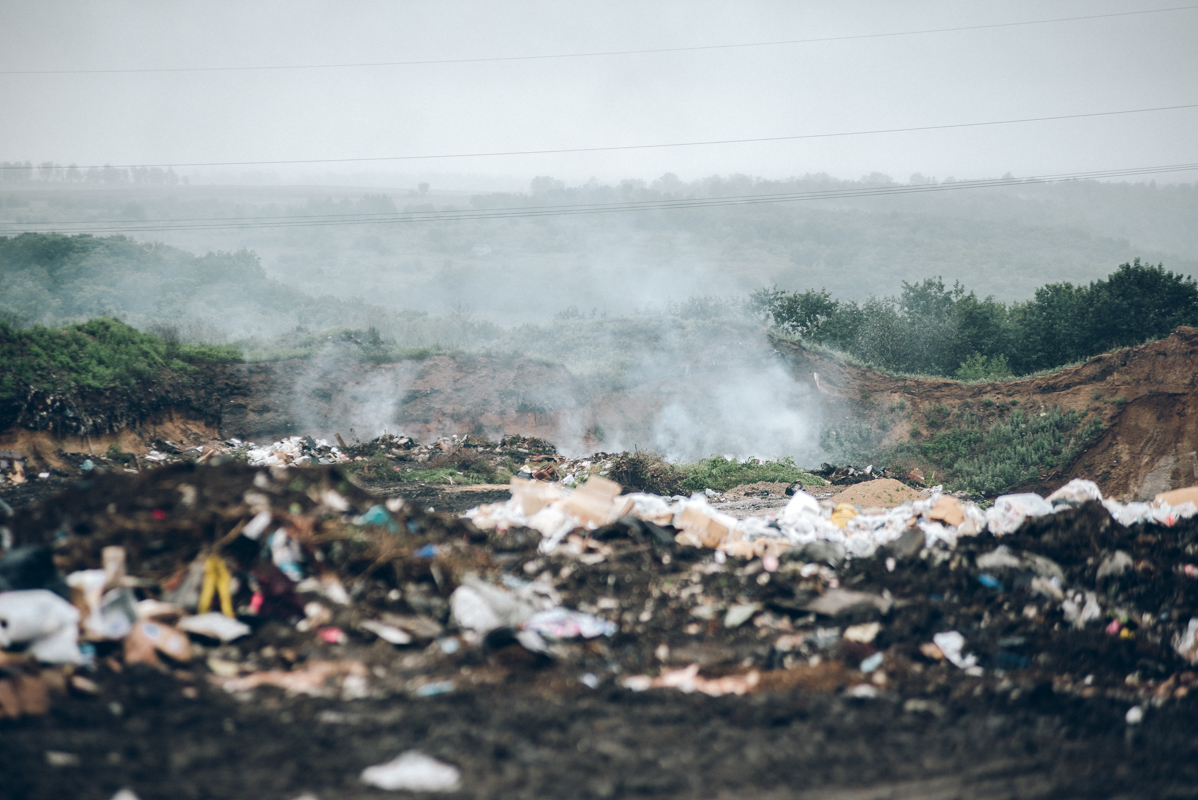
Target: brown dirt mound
(881,493)
(1146,398)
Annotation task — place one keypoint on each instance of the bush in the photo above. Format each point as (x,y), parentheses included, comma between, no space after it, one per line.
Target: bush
(978,368)
(937,330)
(97,354)
(992,459)
(646,472)
(721,473)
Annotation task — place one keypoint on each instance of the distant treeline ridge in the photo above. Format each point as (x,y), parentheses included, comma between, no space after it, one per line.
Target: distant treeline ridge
(933,329)
(50,172)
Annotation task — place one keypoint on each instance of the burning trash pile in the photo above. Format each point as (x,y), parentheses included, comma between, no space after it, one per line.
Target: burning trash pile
(240,579)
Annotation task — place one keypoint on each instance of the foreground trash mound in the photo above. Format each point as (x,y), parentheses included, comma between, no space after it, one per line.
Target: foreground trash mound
(239,579)
(1016,588)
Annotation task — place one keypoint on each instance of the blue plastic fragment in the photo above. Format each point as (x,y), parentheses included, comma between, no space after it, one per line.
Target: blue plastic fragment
(379,516)
(428,551)
(991,582)
(435,688)
(1006,660)
(872,663)
(413,526)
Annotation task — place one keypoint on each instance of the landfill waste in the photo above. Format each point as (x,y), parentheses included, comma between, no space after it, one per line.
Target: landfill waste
(848,475)
(294,450)
(214,626)
(23,692)
(31,567)
(413,771)
(42,621)
(688,680)
(932,599)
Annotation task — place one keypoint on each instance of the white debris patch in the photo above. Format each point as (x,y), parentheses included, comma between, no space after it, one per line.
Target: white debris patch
(413,771)
(294,451)
(555,510)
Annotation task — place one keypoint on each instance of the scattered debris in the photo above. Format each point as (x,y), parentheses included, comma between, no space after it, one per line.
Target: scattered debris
(413,771)
(293,581)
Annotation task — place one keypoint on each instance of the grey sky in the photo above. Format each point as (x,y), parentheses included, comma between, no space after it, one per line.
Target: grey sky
(1063,68)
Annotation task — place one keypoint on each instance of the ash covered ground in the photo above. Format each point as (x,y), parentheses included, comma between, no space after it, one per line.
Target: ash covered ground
(796,671)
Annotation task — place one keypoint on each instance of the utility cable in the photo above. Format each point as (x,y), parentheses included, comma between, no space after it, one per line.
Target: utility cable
(654,146)
(597,53)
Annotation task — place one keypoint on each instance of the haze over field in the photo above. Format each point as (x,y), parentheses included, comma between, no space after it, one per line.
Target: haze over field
(601,186)
(837,85)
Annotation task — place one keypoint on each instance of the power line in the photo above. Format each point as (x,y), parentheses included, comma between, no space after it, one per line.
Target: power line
(598,53)
(654,146)
(525,212)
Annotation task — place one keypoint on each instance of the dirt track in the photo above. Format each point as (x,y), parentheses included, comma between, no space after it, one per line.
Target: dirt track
(601,744)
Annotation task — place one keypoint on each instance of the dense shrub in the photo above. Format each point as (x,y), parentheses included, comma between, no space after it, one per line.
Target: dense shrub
(937,330)
(97,354)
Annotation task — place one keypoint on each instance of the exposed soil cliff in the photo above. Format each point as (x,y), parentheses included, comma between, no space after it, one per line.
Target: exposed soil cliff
(1146,398)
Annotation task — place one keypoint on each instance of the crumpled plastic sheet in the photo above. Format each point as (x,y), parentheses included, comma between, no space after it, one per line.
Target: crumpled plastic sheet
(564,623)
(291,450)
(803,520)
(1138,513)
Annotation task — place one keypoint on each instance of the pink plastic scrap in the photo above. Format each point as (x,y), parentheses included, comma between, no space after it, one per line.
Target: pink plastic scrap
(562,623)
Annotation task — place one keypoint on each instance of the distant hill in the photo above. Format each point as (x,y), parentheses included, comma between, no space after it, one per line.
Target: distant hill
(1001,240)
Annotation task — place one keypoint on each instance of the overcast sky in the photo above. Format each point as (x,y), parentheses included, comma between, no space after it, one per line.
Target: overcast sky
(904,81)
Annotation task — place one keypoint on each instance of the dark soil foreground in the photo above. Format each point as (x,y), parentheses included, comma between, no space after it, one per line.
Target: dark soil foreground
(1045,719)
(609,743)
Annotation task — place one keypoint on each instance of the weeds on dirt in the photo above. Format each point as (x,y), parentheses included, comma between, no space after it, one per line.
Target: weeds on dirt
(986,453)
(721,473)
(97,354)
(990,458)
(120,456)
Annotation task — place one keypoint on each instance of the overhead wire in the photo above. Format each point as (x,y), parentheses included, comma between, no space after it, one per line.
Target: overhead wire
(597,53)
(524,212)
(652,146)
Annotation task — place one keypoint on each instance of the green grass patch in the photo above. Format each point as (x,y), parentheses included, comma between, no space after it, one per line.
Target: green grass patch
(98,354)
(993,458)
(446,475)
(722,474)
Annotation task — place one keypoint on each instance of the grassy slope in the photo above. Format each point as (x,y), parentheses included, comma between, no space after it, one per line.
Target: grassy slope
(97,354)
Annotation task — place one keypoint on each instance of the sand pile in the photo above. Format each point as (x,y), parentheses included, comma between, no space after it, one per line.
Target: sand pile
(880,493)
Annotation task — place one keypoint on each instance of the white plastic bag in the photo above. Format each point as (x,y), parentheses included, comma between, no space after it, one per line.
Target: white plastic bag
(49,624)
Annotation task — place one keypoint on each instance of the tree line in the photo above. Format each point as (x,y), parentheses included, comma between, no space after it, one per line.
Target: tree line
(934,329)
(50,172)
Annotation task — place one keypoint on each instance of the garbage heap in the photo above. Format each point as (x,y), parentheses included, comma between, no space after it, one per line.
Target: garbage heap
(246,579)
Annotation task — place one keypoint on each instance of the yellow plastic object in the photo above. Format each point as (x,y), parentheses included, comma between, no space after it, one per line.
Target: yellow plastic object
(842,514)
(217,580)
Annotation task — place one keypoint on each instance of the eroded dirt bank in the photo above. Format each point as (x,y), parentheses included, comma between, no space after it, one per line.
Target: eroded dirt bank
(1146,399)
